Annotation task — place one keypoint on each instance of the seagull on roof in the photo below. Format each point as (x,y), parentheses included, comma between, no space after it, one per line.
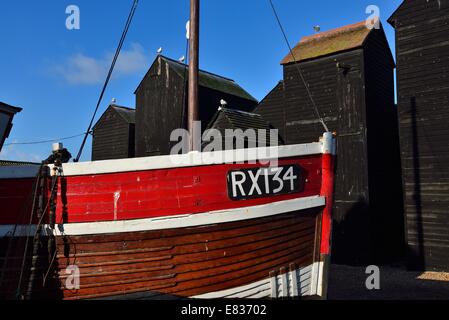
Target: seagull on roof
(182,59)
(223,103)
(159,51)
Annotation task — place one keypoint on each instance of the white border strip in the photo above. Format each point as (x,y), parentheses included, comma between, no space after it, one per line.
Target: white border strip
(239,292)
(267,288)
(192,159)
(317,279)
(180,221)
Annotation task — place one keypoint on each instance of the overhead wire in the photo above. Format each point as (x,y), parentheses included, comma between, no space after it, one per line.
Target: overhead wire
(108,78)
(46,141)
(309,93)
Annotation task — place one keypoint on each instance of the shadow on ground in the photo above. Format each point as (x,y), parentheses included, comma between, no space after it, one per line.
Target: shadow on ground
(348,283)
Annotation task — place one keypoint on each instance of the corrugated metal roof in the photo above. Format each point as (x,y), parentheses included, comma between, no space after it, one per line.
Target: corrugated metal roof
(211,81)
(341,39)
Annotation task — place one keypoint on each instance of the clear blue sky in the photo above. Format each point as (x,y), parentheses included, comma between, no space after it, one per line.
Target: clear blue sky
(56,74)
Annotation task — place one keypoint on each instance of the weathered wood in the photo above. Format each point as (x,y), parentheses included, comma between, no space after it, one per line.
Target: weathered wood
(113,135)
(7,114)
(356,102)
(178,262)
(423,91)
(161,103)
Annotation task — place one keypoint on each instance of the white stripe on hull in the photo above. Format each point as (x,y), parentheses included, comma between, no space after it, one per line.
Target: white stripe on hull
(293,284)
(317,278)
(173,222)
(193,159)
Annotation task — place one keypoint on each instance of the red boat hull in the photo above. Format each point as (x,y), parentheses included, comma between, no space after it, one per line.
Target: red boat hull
(167,232)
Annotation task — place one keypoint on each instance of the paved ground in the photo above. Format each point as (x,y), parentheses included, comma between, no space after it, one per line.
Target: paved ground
(348,283)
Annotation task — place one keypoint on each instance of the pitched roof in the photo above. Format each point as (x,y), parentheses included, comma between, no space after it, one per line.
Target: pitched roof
(209,80)
(409,6)
(337,40)
(8,108)
(241,119)
(128,114)
(279,85)
(226,118)
(392,18)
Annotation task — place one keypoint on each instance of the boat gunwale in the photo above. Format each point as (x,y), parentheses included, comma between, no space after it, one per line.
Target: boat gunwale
(192,159)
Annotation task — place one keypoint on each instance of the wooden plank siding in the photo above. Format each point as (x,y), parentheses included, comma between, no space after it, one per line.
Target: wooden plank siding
(113,137)
(384,161)
(243,124)
(356,102)
(180,262)
(273,107)
(157,109)
(7,113)
(161,102)
(422,41)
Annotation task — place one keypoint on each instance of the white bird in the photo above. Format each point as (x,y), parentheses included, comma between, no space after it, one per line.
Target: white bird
(113,101)
(182,59)
(223,103)
(159,51)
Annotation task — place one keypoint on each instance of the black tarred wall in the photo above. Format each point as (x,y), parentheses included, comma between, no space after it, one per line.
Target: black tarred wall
(358,104)
(422,41)
(161,102)
(113,138)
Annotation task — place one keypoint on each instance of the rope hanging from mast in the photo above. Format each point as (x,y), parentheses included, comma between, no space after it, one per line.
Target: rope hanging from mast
(108,78)
(309,93)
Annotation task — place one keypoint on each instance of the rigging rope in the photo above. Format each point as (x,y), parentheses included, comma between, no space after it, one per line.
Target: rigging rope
(108,78)
(309,93)
(20,218)
(22,268)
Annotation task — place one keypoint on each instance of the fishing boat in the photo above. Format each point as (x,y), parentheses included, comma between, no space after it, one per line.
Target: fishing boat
(253,223)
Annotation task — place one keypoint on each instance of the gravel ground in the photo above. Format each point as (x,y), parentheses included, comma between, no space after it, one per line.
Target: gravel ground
(348,283)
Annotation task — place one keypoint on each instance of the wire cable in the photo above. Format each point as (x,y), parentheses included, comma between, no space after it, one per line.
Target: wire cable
(297,67)
(45,141)
(108,78)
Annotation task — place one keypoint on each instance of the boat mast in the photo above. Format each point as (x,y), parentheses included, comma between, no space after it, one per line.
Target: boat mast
(193,71)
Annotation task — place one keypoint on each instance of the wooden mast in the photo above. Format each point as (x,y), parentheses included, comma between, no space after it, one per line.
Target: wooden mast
(193,71)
